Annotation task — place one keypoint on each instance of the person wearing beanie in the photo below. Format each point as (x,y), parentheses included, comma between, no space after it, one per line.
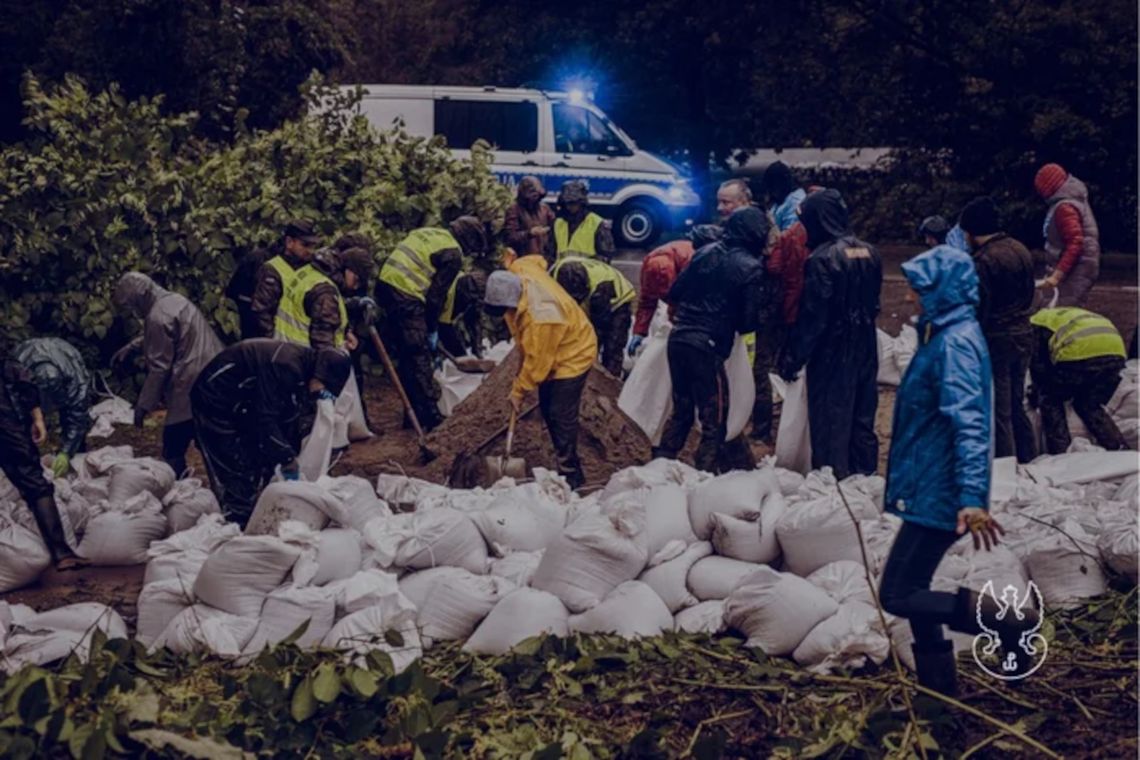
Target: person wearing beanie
(312,311)
(294,251)
(1072,238)
(1005,301)
(558,348)
(932,231)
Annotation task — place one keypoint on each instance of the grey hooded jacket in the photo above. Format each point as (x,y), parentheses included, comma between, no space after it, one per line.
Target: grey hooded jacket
(64,383)
(177,343)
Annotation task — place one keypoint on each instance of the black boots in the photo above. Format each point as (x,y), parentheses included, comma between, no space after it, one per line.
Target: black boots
(936,667)
(46,514)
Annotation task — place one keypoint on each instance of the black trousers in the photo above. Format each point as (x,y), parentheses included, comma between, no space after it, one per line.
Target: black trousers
(20,461)
(612,337)
(1013,432)
(237,474)
(176,441)
(769,341)
(1088,384)
(406,336)
(905,587)
(560,401)
(843,396)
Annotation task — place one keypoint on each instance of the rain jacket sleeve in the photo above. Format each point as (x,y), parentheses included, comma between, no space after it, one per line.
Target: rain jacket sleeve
(538,342)
(963,401)
(74,419)
(813,315)
(160,336)
(1068,222)
(22,387)
(656,277)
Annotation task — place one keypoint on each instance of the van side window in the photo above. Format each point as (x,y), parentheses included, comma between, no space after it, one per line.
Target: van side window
(507,126)
(579,130)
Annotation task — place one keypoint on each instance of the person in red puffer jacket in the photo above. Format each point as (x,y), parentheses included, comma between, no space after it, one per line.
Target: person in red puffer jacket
(786,262)
(1072,238)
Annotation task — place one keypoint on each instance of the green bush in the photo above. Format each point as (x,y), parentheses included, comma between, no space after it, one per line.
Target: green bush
(105,185)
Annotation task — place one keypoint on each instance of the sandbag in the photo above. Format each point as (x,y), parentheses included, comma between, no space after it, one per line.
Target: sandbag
(286,609)
(203,629)
(308,503)
(816,528)
(210,532)
(595,554)
(793,435)
(367,588)
(717,577)
(659,472)
(402,491)
(511,525)
(316,451)
(182,566)
(434,538)
(902,639)
(92,464)
(736,493)
(517,567)
(647,394)
(1066,568)
(741,389)
(187,501)
(158,604)
(459,602)
(632,610)
(338,555)
(124,537)
(847,639)
(844,581)
(670,579)
(56,634)
(389,627)
(521,614)
(1081,467)
(666,517)
(454,386)
(240,573)
(23,555)
(418,586)
(353,501)
(777,610)
(1119,544)
(348,415)
(744,538)
(129,479)
(706,617)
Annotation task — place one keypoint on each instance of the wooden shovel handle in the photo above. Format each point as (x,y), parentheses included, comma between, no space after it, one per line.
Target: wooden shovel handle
(391,370)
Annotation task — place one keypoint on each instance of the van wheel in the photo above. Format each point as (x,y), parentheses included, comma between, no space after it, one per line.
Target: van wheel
(638,223)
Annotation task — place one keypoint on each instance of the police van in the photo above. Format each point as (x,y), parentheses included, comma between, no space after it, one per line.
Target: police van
(555,136)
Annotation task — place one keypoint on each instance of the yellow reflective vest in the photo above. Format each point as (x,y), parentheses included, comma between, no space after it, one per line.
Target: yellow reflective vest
(409,268)
(281,266)
(581,243)
(1078,334)
(292,323)
(598,272)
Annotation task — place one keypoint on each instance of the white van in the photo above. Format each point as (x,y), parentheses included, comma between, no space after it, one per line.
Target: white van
(554,135)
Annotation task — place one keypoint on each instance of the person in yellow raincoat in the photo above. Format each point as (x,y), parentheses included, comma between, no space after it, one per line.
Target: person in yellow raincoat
(558,348)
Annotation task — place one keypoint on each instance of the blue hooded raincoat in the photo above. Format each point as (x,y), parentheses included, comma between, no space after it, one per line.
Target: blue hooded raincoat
(941,439)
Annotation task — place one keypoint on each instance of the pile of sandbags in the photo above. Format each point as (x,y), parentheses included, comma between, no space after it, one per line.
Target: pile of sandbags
(31,638)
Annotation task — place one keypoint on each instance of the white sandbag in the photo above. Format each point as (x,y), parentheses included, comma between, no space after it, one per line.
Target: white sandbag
(405,491)
(23,555)
(777,610)
(632,610)
(56,634)
(12,615)
(80,618)
(517,567)
(706,617)
(459,602)
(338,555)
(670,579)
(816,528)
(437,537)
(92,464)
(511,524)
(847,639)
(1119,545)
(107,414)
(367,588)
(158,604)
(793,435)
(123,538)
(130,478)
(595,554)
(187,501)
(999,565)
(879,536)
(316,451)
(659,472)
(454,386)
(741,389)
(418,586)
(203,629)
(1129,491)
(286,609)
(1066,568)
(1081,467)
(521,614)
(666,516)
(716,577)
(239,574)
(309,503)
(646,396)
(353,502)
(348,415)
(210,532)
(736,493)
(902,638)
(844,581)
(182,566)
(745,538)
(888,371)
(374,628)
(906,345)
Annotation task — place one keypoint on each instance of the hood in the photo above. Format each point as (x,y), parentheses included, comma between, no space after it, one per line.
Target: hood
(530,191)
(946,281)
(136,293)
(824,216)
(747,228)
(701,235)
(470,234)
(778,181)
(1071,189)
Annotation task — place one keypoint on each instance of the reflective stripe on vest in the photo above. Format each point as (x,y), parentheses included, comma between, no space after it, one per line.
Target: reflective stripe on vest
(1078,334)
(599,272)
(409,268)
(292,323)
(581,243)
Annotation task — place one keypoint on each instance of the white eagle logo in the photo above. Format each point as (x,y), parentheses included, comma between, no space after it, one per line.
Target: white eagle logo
(1023,657)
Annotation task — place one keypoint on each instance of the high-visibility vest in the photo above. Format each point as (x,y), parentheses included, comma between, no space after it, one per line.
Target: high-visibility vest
(581,243)
(292,323)
(1078,334)
(599,272)
(409,268)
(447,314)
(282,267)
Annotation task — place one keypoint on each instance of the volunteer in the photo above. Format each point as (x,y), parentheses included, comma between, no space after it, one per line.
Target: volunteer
(938,473)
(835,338)
(932,231)
(606,296)
(249,403)
(713,299)
(21,430)
(412,288)
(1072,238)
(1005,300)
(312,310)
(659,270)
(461,310)
(60,374)
(1077,358)
(529,221)
(732,194)
(558,348)
(577,230)
(177,342)
(296,250)
(783,193)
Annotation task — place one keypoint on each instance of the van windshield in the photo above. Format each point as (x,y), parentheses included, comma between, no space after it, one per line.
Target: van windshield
(579,130)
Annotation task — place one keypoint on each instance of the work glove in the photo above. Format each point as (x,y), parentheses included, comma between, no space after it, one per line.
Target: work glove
(634,344)
(291,471)
(140,417)
(324,394)
(433,341)
(60,464)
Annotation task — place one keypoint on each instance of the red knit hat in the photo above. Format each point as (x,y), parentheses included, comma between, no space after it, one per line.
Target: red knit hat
(1049,179)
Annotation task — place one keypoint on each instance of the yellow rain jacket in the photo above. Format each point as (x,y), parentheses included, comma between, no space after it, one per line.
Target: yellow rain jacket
(553,333)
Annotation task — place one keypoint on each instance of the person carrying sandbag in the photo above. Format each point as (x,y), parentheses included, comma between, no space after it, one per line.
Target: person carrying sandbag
(938,474)
(558,348)
(64,382)
(248,405)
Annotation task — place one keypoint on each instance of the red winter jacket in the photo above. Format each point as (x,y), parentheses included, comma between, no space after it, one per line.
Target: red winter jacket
(1067,220)
(786,262)
(658,271)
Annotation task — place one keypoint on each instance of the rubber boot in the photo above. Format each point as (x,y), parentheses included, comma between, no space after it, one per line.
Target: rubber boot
(936,667)
(46,514)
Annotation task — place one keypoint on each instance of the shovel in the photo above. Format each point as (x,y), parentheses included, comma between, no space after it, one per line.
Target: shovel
(506,466)
(469,364)
(425,453)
